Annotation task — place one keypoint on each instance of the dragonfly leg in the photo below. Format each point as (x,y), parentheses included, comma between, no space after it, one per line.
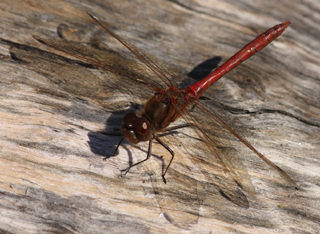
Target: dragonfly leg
(148,156)
(115,150)
(172,154)
(166,131)
(178,127)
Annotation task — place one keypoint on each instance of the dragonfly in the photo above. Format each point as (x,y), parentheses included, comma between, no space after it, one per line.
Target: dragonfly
(170,102)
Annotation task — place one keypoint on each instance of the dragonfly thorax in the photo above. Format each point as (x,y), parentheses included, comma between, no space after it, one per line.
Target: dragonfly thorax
(163,109)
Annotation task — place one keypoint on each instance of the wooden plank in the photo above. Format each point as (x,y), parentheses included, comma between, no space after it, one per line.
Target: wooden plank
(60,118)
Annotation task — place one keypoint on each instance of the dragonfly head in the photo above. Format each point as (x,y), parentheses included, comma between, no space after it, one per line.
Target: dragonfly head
(135,128)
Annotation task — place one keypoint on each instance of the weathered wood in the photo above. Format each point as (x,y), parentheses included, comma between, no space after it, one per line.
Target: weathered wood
(59,118)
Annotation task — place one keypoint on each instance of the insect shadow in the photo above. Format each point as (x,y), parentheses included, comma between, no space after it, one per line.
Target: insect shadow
(104,142)
(204,68)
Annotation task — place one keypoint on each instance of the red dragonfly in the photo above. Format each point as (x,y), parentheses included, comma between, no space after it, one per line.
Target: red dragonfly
(169,102)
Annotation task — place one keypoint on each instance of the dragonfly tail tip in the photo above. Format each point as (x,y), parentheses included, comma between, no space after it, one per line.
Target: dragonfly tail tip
(285,24)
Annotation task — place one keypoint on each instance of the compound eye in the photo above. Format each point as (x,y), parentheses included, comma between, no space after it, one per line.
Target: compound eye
(128,119)
(141,125)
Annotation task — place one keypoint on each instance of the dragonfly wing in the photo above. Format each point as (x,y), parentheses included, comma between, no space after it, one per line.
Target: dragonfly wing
(123,68)
(162,70)
(219,161)
(178,199)
(106,60)
(215,117)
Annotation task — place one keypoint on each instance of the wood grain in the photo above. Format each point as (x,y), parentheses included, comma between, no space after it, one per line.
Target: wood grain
(59,118)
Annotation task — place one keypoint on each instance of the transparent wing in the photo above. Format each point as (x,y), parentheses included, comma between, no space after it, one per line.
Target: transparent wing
(156,66)
(146,70)
(179,198)
(109,61)
(219,158)
(220,153)
(215,117)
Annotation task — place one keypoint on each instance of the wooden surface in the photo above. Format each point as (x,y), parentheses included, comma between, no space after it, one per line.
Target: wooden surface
(59,118)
